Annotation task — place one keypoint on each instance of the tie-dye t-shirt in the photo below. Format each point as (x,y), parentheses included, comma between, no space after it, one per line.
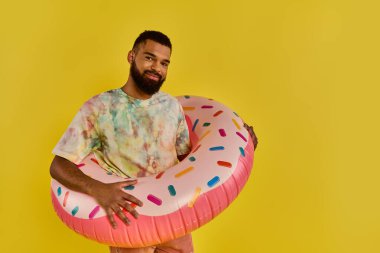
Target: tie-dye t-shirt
(129,136)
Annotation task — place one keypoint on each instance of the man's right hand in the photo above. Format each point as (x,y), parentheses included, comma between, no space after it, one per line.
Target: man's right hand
(114,200)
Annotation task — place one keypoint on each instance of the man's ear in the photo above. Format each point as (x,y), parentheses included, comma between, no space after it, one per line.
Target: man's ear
(131,56)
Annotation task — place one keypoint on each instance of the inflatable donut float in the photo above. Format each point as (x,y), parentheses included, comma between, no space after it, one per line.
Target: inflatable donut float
(178,200)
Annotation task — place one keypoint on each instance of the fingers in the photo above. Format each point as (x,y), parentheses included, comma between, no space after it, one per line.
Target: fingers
(116,202)
(130,210)
(111,218)
(128,183)
(254,137)
(255,142)
(252,134)
(249,128)
(127,196)
(119,212)
(132,199)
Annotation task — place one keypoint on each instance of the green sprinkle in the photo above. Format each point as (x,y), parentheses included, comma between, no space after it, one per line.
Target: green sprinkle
(242,151)
(75,210)
(172,190)
(129,187)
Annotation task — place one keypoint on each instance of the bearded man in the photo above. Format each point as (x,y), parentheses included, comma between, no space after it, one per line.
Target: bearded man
(134,131)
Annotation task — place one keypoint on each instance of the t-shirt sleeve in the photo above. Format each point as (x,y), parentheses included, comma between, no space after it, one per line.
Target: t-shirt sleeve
(81,136)
(183,145)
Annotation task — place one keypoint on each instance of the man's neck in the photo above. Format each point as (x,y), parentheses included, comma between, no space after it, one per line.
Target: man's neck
(131,89)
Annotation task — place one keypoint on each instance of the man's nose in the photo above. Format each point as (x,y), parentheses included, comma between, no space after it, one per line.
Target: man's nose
(156,66)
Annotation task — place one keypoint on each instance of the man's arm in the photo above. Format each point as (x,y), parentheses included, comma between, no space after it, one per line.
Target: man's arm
(109,196)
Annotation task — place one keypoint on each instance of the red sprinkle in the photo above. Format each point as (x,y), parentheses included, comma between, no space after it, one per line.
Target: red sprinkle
(224,164)
(94,160)
(217,113)
(65,199)
(159,175)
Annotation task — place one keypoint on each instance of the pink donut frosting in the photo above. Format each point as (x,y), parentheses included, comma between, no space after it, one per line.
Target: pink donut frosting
(179,200)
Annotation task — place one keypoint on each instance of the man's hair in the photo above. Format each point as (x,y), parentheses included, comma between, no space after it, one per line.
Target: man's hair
(156,36)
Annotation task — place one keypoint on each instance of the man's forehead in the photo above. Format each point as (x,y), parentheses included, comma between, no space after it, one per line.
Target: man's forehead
(152,47)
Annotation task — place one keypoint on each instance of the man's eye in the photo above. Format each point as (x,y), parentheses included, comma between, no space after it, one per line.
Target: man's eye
(148,58)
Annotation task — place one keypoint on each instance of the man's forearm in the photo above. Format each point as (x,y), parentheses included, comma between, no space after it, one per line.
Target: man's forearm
(68,174)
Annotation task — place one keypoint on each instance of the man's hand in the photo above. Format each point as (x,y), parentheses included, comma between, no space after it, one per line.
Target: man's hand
(114,200)
(253,135)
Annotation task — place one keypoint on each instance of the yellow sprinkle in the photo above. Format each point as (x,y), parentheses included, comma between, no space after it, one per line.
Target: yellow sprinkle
(188,108)
(204,135)
(180,174)
(195,196)
(236,124)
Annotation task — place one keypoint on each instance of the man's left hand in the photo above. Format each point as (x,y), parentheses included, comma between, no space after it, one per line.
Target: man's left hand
(253,135)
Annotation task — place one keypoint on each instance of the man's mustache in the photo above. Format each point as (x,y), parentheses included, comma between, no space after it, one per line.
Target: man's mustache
(153,73)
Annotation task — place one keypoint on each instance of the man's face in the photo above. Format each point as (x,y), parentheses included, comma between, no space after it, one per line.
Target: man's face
(149,66)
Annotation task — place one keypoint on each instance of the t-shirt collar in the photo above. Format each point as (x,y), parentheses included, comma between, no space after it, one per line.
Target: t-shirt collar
(138,102)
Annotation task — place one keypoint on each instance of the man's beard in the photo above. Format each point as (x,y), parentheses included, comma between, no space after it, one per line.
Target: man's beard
(145,84)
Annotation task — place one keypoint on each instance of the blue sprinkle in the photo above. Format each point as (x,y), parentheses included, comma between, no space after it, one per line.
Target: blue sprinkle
(213,181)
(195,124)
(109,173)
(75,210)
(216,148)
(242,151)
(187,96)
(172,190)
(129,187)
(59,191)
(192,158)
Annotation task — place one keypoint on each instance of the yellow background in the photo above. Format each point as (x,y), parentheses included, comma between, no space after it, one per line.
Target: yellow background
(304,73)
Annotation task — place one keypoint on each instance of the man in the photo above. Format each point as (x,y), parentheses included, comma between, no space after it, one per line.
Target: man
(133,131)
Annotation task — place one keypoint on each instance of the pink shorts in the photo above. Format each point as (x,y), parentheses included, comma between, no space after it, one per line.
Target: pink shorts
(180,245)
